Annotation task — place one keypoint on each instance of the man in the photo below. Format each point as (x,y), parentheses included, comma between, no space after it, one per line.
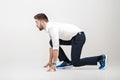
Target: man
(66,34)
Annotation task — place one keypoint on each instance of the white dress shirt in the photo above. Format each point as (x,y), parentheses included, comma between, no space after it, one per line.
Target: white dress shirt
(61,31)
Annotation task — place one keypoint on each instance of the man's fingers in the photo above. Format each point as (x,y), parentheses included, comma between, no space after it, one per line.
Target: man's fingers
(49,70)
(46,66)
(52,69)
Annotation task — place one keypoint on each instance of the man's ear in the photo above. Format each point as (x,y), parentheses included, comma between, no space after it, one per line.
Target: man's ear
(42,22)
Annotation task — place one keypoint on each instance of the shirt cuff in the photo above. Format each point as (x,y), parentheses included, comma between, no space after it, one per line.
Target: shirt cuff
(55,48)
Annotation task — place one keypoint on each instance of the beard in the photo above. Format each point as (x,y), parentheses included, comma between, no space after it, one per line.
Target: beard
(41,28)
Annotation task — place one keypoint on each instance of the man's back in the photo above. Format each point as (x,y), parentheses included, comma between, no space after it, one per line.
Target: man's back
(64,31)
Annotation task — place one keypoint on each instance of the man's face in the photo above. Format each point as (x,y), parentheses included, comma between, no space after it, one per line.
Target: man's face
(39,24)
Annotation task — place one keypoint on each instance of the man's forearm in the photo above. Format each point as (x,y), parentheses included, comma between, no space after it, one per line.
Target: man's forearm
(51,55)
(55,55)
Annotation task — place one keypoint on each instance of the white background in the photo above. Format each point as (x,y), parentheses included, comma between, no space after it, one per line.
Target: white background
(23,46)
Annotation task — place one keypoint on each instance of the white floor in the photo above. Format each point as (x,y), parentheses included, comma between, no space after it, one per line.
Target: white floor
(35,72)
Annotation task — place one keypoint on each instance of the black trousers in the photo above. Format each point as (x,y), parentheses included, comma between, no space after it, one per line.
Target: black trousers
(77,43)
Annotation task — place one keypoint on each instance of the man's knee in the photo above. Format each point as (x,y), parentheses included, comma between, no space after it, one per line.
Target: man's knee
(75,65)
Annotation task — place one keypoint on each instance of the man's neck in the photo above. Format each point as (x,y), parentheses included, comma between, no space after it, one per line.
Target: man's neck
(45,23)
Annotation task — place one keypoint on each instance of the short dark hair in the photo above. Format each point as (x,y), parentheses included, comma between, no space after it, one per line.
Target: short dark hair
(41,16)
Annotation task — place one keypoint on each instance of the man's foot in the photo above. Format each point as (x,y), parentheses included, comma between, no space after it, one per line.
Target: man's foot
(63,65)
(103,61)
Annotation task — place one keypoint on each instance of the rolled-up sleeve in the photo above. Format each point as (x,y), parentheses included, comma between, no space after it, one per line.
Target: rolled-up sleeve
(54,36)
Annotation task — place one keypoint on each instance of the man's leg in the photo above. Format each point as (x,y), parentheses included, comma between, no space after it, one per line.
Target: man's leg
(62,56)
(77,45)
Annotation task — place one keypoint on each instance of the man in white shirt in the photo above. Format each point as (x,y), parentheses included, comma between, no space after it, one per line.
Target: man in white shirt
(66,34)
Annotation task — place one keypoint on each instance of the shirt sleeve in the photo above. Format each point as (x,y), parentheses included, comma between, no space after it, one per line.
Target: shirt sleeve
(54,36)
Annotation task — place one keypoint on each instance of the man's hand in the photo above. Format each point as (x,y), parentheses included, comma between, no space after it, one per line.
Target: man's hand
(49,64)
(52,68)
